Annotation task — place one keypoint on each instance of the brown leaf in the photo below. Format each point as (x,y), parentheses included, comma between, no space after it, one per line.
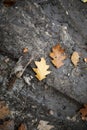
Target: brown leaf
(9,3)
(25,50)
(4,110)
(41,70)
(85,59)
(43,125)
(22,127)
(58,56)
(7,125)
(75,58)
(83,112)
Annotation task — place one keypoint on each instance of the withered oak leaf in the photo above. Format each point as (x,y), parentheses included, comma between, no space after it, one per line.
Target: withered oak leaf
(57,55)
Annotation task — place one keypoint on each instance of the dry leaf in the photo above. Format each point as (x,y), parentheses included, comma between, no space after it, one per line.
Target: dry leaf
(41,70)
(75,58)
(22,127)
(43,125)
(25,50)
(85,59)
(58,56)
(83,112)
(9,3)
(4,110)
(84,1)
(7,125)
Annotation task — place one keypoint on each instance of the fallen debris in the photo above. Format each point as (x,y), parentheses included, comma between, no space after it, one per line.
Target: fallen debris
(19,69)
(4,110)
(22,127)
(58,56)
(75,58)
(84,1)
(83,112)
(8,3)
(21,65)
(25,50)
(85,59)
(7,125)
(43,125)
(41,70)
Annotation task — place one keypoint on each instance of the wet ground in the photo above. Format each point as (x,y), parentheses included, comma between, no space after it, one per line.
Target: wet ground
(39,26)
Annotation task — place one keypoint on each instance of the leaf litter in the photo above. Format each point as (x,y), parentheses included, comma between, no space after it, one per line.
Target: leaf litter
(43,125)
(58,56)
(25,50)
(83,112)
(5,113)
(22,127)
(7,125)
(4,110)
(42,69)
(75,58)
(85,60)
(8,3)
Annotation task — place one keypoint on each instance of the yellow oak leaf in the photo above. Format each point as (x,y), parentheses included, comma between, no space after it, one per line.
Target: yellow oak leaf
(75,58)
(43,125)
(42,69)
(84,1)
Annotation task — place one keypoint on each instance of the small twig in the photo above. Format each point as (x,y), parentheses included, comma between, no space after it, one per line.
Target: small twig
(18,70)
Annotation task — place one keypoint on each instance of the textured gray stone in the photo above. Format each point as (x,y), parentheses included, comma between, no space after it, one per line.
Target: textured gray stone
(28,25)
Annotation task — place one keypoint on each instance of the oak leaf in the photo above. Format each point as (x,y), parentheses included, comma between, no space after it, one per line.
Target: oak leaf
(22,127)
(83,112)
(43,125)
(42,69)
(58,56)
(4,110)
(75,58)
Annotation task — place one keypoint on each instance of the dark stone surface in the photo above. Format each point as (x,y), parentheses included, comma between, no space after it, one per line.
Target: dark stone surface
(39,27)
